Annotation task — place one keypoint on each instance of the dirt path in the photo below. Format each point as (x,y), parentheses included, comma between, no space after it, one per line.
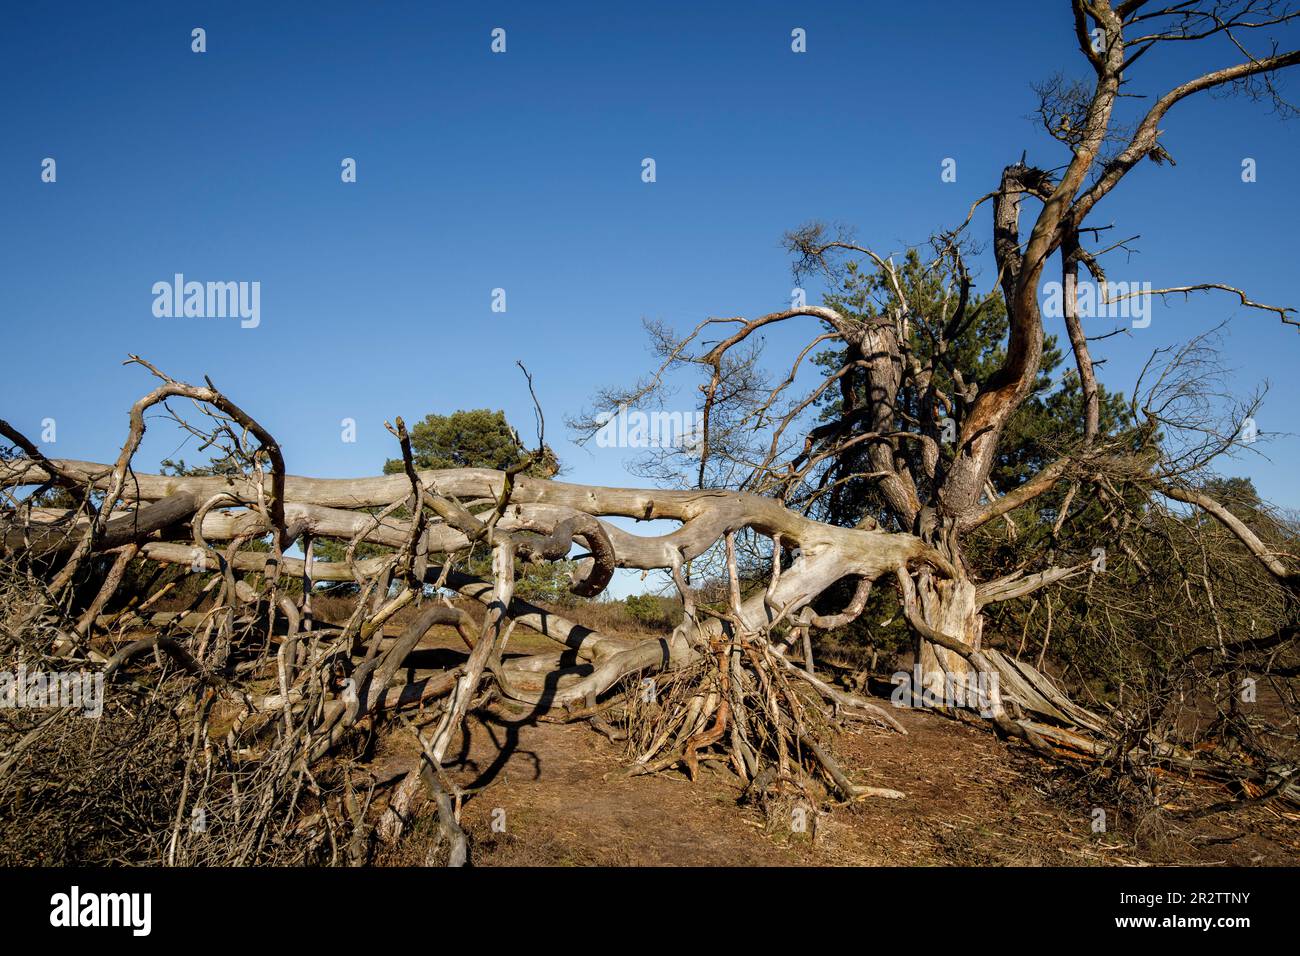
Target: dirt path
(562,798)
(559,795)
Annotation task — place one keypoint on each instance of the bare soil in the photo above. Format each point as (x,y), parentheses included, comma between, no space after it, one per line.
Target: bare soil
(560,795)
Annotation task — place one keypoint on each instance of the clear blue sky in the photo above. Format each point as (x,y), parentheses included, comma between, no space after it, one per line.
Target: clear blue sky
(522,171)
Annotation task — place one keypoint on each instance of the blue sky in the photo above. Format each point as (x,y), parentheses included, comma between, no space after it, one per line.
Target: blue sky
(522,171)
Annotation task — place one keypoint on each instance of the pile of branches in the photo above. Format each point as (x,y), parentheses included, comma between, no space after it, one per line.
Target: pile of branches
(238,718)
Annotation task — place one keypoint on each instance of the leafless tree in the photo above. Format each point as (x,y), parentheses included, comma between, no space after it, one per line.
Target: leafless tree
(940,490)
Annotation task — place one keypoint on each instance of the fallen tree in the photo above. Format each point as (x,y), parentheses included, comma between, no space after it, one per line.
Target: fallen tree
(722,684)
(743,699)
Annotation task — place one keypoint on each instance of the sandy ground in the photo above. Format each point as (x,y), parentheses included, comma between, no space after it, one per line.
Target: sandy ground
(553,794)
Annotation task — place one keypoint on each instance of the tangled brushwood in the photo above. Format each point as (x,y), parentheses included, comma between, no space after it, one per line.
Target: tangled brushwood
(232,721)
